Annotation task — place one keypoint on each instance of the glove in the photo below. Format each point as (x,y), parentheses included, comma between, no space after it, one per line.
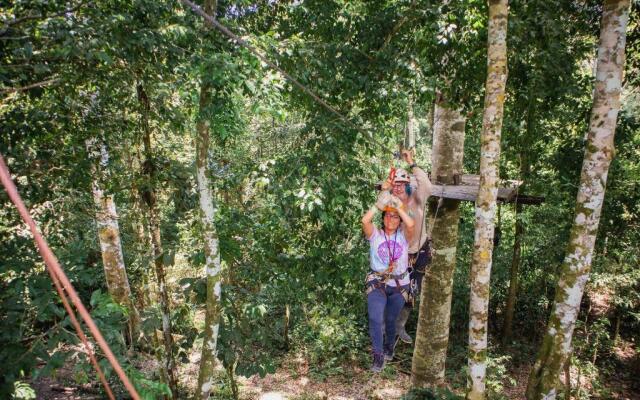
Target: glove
(383,199)
(387,185)
(395,202)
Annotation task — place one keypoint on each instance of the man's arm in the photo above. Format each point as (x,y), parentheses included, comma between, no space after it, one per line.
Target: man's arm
(424,184)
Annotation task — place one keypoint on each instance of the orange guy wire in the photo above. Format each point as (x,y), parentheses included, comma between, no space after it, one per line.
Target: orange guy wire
(54,267)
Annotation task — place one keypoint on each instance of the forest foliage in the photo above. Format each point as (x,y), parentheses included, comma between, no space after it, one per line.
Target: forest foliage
(291,180)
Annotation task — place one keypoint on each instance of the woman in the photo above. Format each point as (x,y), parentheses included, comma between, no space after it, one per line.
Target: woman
(388,281)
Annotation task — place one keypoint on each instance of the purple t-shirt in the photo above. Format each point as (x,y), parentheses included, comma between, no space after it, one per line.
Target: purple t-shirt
(384,247)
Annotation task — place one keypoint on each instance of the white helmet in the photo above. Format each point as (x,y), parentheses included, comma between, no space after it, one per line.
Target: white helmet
(401,176)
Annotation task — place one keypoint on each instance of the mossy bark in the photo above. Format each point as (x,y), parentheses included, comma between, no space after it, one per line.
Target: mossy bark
(149,196)
(212,270)
(487,195)
(544,381)
(432,336)
(109,236)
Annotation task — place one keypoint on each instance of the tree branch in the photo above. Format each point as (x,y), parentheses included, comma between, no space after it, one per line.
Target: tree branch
(28,87)
(405,18)
(17,21)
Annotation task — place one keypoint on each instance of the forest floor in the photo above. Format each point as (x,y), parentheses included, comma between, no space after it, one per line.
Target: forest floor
(295,380)
(292,381)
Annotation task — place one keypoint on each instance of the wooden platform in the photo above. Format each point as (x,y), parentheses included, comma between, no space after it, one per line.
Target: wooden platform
(467,190)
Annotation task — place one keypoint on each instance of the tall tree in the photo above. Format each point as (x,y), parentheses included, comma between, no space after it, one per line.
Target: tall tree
(518,236)
(109,237)
(150,198)
(432,335)
(544,382)
(516,259)
(212,266)
(487,195)
(410,128)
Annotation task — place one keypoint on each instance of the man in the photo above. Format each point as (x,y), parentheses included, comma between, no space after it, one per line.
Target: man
(414,197)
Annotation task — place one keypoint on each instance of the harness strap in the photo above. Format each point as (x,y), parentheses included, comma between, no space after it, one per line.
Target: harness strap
(374,284)
(383,276)
(377,281)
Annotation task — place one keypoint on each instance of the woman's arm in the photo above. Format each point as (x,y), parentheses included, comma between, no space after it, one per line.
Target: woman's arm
(367,218)
(367,222)
(409,224)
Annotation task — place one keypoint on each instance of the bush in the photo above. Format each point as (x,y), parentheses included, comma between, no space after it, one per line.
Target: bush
(330,339)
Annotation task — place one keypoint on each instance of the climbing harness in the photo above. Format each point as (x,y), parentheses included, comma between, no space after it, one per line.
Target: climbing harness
(63,285)
(377,280)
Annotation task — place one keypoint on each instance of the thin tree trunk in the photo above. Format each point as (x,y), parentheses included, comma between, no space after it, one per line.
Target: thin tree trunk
(212,270)
(109,237)
(544,382)
(516,259)
(616,332)
(287,318)
(514,271)
(149,196)
(432,335)
(138,223)
(486,200)
(567,378)
(410,131)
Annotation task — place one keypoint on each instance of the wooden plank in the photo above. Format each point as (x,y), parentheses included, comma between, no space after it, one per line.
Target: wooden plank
(470,193)
(474,180)
(467,190)
(455,192)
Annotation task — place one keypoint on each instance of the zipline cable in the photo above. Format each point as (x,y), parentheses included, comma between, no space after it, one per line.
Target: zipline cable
(198,10)
(56,271)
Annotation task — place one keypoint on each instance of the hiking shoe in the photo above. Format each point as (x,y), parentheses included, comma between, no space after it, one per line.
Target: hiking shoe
(378,363)
(404,336)
(388,355)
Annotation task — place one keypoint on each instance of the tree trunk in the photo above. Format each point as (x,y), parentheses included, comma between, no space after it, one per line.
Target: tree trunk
(486,200)
(109,236)
(410,130)
(516,259)
(432,335)
(138,223)
(149,196)
(544,381)
(212,270)
(507,327)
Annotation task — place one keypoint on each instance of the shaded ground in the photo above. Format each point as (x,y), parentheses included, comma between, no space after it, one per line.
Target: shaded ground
(295,380)
(51,389)
(63,386)
(292,381)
